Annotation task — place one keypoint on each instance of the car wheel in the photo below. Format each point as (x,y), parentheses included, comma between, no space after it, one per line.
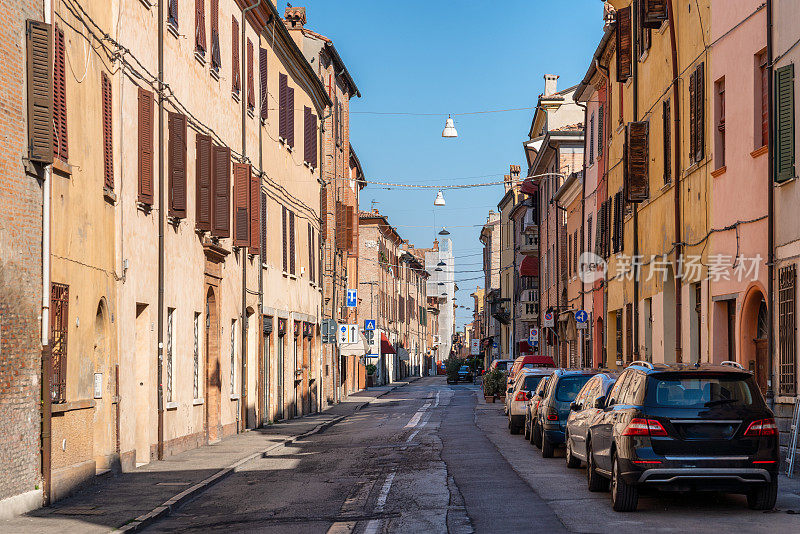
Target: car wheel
(572,461)
(593,478)
(537,436)
(624,497)
(547,447)
(763,497)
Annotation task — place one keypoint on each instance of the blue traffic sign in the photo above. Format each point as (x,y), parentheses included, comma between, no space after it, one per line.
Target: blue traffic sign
(369,324)
(352,298)
(581,316)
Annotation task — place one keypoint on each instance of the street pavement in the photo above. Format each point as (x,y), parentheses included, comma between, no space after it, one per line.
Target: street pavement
(423,457)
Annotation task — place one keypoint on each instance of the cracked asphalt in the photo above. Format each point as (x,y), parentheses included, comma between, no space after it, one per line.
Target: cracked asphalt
(429,457)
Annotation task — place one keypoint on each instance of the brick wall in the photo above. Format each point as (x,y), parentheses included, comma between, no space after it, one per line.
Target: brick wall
(20,266)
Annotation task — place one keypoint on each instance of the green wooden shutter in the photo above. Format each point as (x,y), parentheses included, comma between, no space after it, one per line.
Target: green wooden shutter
(784,123)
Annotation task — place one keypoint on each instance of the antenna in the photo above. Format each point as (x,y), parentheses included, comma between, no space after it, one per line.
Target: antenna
(372,204)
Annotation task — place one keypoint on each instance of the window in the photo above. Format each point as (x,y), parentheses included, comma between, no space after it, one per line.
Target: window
(216,56)
(196,374)
(309,137)
(60,139)
(591,140)
(172,13)
(787,330)
(203,182)
(285,110)
(629,332)
(233,357)
(263,230)
(145,146)
(644,36)
(241,204)
(108,147)
(221,201)
(784,123)
(575,252)
(170,352)
(618,317)
(666,118)
(719,130)
(704,392)
(637,161)
(623,37)
(59,326)
(236,75)
(697,114)
(42,90)
(264,93)
(589,234)
(255,212)
(762,101)
(200,27)
(251,91)
(177,165)
(600,132)
(292,253)
(285,230)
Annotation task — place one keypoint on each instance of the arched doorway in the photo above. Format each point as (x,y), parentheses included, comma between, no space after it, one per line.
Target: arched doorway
(103,392)
(753,338)
(213,379)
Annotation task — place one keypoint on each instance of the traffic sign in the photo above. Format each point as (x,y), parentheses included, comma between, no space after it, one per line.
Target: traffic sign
(548,320)
(329,331)
(533,337)
(369,324)
(342,334)
(352,298)
(348,333)
(581,316)
(475,347)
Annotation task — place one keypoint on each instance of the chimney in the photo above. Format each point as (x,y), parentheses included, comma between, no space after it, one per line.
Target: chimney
(550,84)
(436,245)
(294,17)
(514,170)
(507,180)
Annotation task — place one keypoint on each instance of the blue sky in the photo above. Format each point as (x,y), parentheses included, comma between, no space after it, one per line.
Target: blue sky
(450,57)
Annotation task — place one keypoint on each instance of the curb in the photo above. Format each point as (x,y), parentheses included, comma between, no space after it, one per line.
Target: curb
(165,509)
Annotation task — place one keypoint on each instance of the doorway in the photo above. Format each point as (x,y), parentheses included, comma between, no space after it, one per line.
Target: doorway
(761,343)
(143,395)
(281,371)
(213,379)
(104,390)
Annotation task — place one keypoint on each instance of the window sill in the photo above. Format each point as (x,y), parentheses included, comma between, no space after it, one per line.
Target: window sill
(62,167)
(759,151)
(109,195)
(200,56)
(214,73)
(146,3)
(235,397)
(235,96)
(171,28)
(84,404)
(198,402)
(251,113)
(789,181)
(719,172)
(171,406)
(144,207)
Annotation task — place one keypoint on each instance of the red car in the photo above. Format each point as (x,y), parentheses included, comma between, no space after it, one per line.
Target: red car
(528,362)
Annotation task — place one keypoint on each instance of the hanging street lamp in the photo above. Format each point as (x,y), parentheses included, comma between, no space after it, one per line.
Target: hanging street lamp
(449,128)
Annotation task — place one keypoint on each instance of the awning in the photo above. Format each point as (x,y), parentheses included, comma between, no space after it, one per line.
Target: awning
(529,187)
(361,348)
(529,266)
(403,354)
(386,347)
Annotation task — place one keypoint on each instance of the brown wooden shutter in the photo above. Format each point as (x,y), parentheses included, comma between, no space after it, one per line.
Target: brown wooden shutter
(203,186)
(700,119)
(692,116)
(624,52)
(629,332)
(336,118)
(354,230)
(61,139)
(637,183)
(221,200)
(177,164)
(784,124)
(350,229)
(263,230)
(310,254)
(666,118)
(39,66)
(236,75)
(764,80)
(323,212)
(216,56)
(292,248)
(108,142)
(598,240)
(290,117)
(308,133)
(615,224)
(341,226)
(255,212)
(241,204)
(600,132)
(318,253)
(263,87)
(283,98)
(251,92)
(172,12)
(314,137)
(655,12)
(145,143)
(200,26)
(285,227)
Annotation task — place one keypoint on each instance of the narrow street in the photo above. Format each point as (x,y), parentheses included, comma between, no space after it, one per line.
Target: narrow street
(429,457)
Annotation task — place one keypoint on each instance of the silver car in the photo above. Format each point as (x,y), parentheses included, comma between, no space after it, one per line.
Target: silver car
(518,395)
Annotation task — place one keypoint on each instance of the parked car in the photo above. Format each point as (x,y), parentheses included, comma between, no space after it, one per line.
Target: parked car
(518,396)
(684,427)
(503,365)
(531,431)
(582,415)
(529,362)
(464,374)
(551,417)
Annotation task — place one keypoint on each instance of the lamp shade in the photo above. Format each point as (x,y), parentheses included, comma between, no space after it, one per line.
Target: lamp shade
(444,231)
(439,199)
(449,128)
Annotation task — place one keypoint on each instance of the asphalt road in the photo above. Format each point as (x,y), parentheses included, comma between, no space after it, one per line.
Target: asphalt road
(430,457)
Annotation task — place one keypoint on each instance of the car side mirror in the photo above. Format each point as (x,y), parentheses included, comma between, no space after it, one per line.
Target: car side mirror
(600,402)
(575,407)
(529,395)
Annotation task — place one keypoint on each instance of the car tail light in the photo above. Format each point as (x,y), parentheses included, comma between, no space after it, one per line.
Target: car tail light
(647,461)
(521,395)
(765,461)
(644,427)
(762,427)
(552,414)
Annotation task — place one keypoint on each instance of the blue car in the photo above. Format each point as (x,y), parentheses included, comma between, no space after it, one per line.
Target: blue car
(562,388)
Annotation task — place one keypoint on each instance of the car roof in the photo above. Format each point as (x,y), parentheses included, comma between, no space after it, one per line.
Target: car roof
(724,367)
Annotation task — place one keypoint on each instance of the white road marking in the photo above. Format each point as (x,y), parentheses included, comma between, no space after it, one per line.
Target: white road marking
(372,526)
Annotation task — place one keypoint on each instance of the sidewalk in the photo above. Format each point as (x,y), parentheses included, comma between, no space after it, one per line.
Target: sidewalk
(133,500)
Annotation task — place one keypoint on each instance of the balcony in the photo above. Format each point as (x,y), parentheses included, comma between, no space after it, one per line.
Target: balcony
(530,243)
(529,222)
(528,311)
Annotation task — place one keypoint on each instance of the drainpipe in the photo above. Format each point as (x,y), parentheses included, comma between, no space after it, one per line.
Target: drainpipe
(47,355)
(677,182)
(243,322)
(770,393)
(583,223)
(635,76)
(604,174)
(162,214)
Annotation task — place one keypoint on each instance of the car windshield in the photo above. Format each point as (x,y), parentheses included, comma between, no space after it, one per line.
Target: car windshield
(464,369)
(531,381)
(569,386)
(503,366)
(699,392)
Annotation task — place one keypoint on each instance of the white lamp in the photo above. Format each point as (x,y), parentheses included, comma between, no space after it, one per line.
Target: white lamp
(439,199)
(449,128)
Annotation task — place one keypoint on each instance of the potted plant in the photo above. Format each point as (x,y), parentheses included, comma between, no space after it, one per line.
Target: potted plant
(371,374)
(493,384)
(452,365)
